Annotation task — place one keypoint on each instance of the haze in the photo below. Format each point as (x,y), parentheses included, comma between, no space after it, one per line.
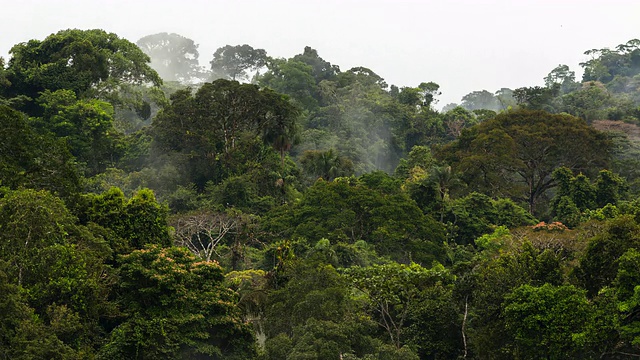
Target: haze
(463,45)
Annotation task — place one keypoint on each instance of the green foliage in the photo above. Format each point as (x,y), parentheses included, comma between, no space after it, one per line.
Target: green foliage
(88,62)
(233,62)
(598,267)
(610,188)
(577,199)
(492,280)
(495,241)
(433,324)
(605,63)
(457,119)
(313,291)
(133,223)
(176,307)
(30,160)
(232,160)
(215,133)
(326,165)
(322,69)
(58,268)
(391,292)
(419,157)
(592,102)
(347,210)
(567,212)
(477,100)
(294,78)
(85,125)
(536,97)
(476,214)
(561,75)
(545,321)
(313,316)
(24,335)
(516,152)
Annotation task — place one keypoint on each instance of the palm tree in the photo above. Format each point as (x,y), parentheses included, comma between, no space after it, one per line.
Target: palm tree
(444,179)
(281,129)
(326,164)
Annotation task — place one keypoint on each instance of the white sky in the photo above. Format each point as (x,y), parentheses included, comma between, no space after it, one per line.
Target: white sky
(463,45)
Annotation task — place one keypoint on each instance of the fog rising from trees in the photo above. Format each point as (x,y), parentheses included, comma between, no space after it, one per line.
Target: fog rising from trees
(463,45)
(275,180)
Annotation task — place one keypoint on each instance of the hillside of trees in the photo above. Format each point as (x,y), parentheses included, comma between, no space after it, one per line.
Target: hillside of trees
(269,208)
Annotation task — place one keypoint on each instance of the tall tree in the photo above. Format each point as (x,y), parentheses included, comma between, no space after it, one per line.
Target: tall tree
(31,160)
(223,126)
(480,100)
(173,56)
(515,153)
(561,76)
(547,321)
(234,62)
(218,114)
(58,266)
(92,63)
(322,69)
(86,126)
(177,307)
(327,165)
(392,291)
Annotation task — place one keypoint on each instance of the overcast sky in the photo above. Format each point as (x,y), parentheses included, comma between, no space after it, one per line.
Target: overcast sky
(463,45)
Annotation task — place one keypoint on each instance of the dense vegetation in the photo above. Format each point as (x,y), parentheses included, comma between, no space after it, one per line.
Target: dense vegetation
(308,212)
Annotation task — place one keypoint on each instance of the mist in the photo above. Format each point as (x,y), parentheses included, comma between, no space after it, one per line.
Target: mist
(462,45)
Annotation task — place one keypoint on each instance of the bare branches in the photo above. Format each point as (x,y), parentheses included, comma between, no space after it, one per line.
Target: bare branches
(202,232)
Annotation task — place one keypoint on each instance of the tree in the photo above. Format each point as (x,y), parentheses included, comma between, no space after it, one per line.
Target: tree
(4,82)
(491,280)
(91,63)
(598,266)
(592,102)
(24,334)
(294,78)
(392,290)
(173,56)
(443,181)
(349,210)
(476,214)
(85,125)
(610,188)
(31,160)
(282,131)
(233,62)
(419,160)
(563,77)
(628,294)
(202,232)
(424,96)
(327,165)
(57,265)
(515,153)
(218,129)
(536,97)
(322,69)
(457,119)
(605,63)
(313,315)
(480,100)
(134,222)
(177,307)
(505,98)
(546,321)
(219,113)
